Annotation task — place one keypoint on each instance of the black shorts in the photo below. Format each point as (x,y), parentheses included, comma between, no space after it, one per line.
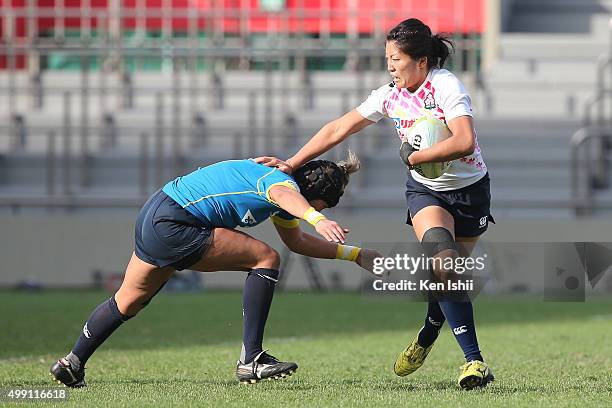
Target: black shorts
(470,206)
(169,235)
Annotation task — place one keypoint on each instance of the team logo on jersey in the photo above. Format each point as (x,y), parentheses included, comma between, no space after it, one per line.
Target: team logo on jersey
(248,218)
(430,102)
(403,123)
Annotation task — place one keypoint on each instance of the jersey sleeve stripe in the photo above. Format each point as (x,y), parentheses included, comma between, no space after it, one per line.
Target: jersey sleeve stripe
(281,222)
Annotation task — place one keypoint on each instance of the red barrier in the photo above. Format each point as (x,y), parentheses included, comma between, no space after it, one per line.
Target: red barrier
(321,15)
(309,16)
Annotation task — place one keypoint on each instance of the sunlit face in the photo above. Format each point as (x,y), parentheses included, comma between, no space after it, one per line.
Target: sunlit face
(318,204)
(406,72)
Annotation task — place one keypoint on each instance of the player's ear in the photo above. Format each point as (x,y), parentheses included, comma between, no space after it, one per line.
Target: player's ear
(422,63)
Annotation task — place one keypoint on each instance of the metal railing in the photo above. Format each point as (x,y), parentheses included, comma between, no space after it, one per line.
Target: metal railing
(120,52)
(67,150)
(584,183)
(591,145)
(102,33)
(106,45)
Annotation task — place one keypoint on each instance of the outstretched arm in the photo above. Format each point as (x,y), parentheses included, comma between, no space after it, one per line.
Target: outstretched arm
(305,244)
(295,204)
(327,137)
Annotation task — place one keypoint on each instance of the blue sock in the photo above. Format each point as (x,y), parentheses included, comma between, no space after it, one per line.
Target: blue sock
(104,320)
(460,316)
(433,323)
(256,302)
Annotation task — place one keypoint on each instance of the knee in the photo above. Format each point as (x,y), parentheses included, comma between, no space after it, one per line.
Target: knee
(130,303)
(440,246)
(267,257)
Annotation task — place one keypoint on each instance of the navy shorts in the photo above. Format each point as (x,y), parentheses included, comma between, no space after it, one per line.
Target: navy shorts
(470,206)
(169,235)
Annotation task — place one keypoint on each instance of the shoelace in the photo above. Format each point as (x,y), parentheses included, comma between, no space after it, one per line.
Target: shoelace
(417,353)
(269,359)
(465,366)
(468,364)
(258,360)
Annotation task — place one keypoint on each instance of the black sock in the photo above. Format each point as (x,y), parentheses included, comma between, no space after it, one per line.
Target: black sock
(256,301)
(100,325)
(460,316)
(433,322)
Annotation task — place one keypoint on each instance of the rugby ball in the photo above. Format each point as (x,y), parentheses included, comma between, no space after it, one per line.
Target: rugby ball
(424,133)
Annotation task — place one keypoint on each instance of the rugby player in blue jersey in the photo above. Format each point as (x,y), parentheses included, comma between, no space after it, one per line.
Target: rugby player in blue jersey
(190,223)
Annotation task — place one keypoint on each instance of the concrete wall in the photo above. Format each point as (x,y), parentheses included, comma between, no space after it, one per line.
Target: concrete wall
(62,250)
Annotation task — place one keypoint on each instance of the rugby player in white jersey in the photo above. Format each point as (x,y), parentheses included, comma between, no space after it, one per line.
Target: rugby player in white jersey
(448,213)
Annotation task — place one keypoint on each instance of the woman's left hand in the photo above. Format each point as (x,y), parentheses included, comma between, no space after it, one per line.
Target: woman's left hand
(406,150)
(272,161)
(331,231)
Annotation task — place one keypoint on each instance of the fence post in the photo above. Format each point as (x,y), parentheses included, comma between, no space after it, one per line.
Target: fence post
(268,126)
(176,118)
(33,53)
(144,164)
(252,124)
(36,90)
(18,132)
(193,59)
(109,131)
(159,139)
(127,90)
(51,163)
(66,161)
(217,91)
(9,34)
(84,162)
(238,145)
(307,90)
(198,131)
(290,131)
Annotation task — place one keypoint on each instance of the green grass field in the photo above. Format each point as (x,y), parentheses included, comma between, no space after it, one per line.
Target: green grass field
(181,350)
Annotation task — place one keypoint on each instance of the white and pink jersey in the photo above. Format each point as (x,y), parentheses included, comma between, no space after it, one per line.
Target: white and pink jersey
(441,95)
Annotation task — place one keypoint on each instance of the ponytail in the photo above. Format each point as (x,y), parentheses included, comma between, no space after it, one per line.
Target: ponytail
(349,165)
(442,46)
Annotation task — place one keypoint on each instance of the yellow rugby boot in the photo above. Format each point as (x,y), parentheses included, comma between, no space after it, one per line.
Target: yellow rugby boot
(475,374)
(411,359)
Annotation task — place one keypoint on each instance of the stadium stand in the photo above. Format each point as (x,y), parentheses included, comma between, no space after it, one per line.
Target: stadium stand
(105,137)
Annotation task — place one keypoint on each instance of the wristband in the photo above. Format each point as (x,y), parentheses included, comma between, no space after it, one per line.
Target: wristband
(347,252)
(313,216)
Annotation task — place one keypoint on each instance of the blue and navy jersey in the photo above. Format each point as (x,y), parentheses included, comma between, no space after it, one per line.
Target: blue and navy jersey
(232,193)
